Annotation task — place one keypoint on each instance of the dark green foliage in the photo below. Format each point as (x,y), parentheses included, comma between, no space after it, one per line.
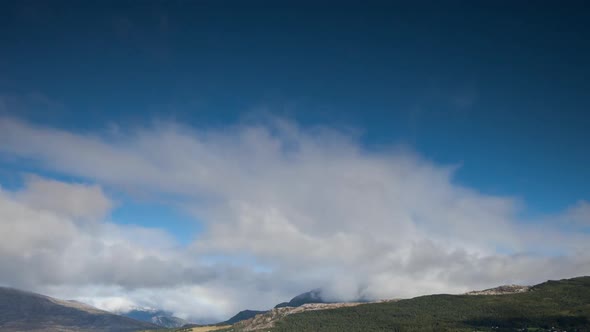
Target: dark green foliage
(563,305)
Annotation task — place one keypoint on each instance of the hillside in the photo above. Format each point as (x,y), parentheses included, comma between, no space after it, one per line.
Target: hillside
(268,319)
(243,315)
(25,311)
(562,305)
(313,296)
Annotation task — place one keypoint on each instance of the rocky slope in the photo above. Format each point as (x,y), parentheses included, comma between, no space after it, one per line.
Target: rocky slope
(506,289)
(313,296)
(307,301)
(268,319)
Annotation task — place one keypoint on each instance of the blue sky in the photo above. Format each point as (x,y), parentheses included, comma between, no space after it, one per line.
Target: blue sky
(498,90)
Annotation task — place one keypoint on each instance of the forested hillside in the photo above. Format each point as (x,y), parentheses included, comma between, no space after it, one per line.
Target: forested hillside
(558,305)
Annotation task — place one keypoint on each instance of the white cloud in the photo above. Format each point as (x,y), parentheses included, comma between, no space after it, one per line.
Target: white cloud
(285,210)
(77,201)
(579,214)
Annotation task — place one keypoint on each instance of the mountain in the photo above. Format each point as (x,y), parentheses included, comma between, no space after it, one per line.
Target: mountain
(158,317)
(242,315)
(25,311)
(562,305)
(313,296)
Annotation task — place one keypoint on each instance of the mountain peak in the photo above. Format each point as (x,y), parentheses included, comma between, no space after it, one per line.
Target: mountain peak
(313,296)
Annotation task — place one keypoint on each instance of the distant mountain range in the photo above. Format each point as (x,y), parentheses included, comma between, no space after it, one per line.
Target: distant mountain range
(26,311)
(154,316)
(561,305)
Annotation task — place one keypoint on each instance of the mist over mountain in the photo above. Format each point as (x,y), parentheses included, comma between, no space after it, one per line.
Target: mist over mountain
(155,316)
(313,296)
(206,157)
(554,305)
(26,311)
(243,315)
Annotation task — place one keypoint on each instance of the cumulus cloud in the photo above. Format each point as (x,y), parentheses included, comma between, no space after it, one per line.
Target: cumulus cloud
(284,210)
(46,248)
(43,247)
(77,201)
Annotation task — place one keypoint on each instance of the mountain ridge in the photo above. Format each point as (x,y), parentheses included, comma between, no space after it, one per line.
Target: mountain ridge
(28,311)
(312,296)
(554,305)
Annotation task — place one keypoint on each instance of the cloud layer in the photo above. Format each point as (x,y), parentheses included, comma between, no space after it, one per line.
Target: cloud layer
(284,210)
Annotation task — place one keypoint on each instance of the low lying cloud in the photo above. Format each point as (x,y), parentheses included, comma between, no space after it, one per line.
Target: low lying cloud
(284,210)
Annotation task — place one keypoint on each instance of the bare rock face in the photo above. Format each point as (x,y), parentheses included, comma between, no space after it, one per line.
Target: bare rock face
(506,289)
